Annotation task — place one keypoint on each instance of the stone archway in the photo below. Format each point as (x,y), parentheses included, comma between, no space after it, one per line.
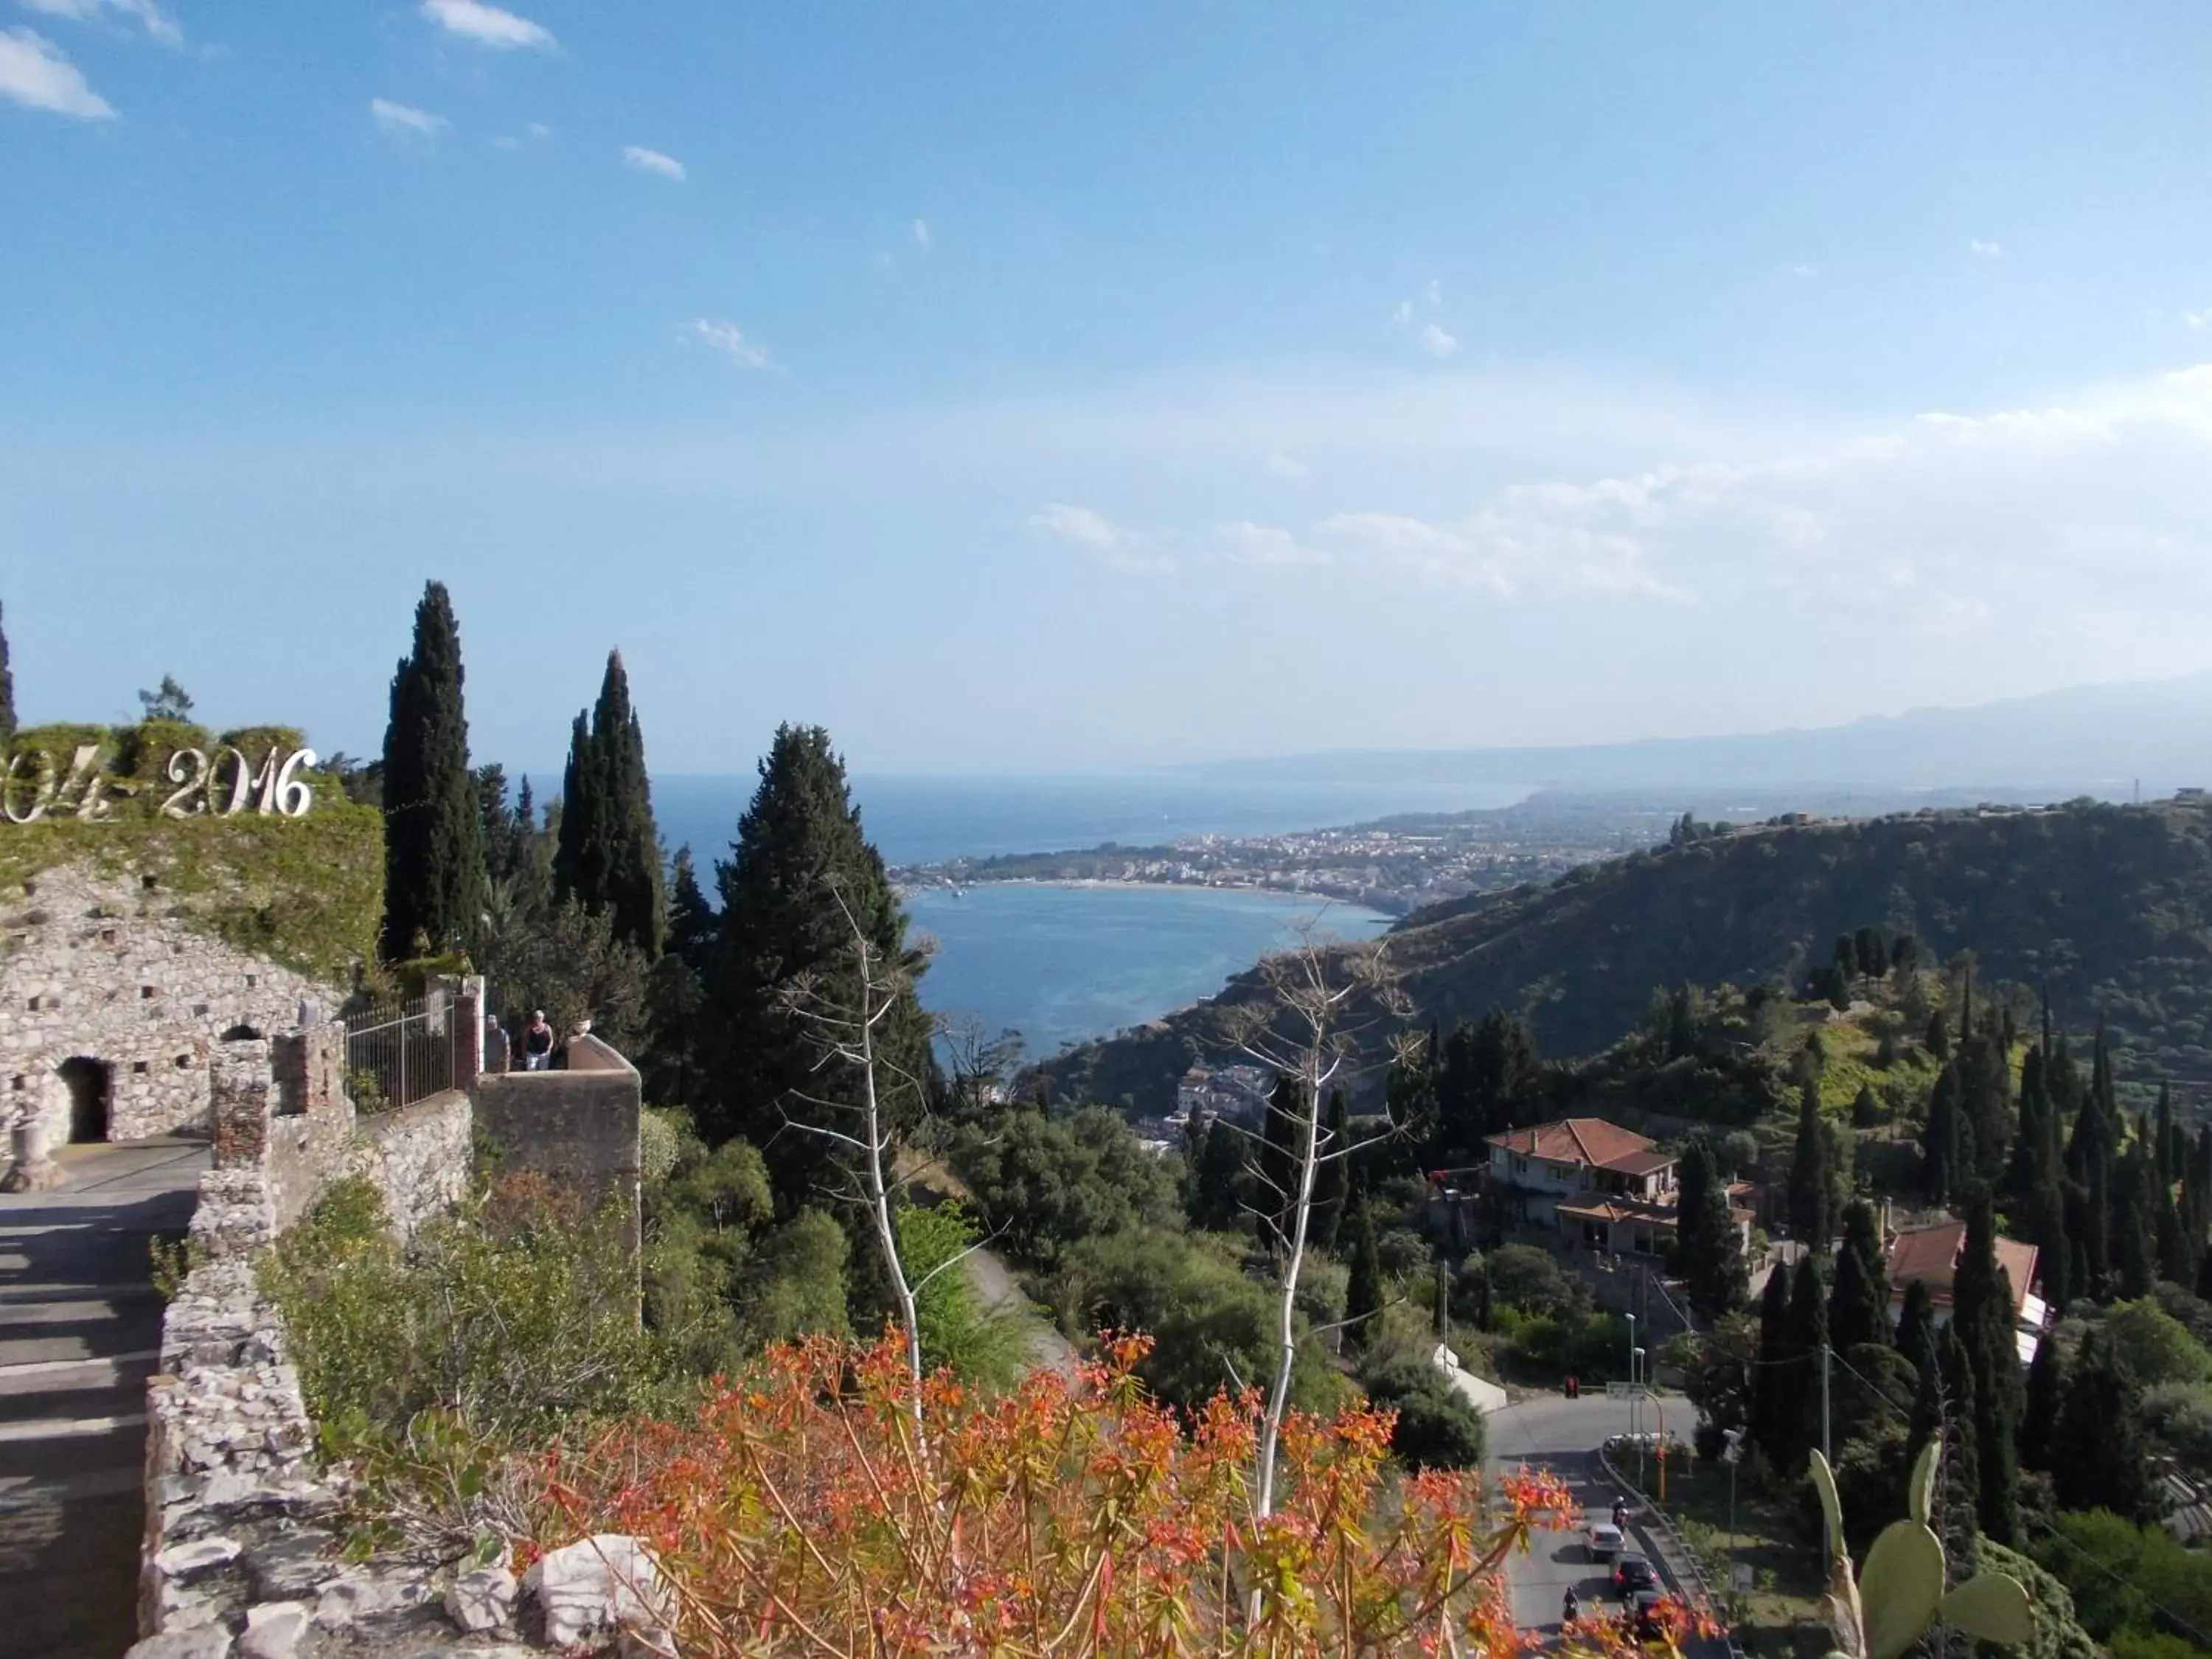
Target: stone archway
(91,1095)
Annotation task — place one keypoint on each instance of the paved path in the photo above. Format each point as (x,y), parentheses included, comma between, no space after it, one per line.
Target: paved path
(1552,1431)
(79,1331)
(1047,1349)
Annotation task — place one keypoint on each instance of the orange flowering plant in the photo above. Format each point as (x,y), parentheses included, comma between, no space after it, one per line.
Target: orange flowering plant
(823,1505)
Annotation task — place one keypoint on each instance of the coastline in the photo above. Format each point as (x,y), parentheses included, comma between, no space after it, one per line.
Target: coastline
(1325,900)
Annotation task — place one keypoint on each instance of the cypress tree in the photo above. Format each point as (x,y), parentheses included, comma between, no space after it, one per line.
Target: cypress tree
(1858,1304)
(2098,1458)
(434,864)
(1982,1320)
(1333,1177)
(1806,1335)
(1812,1219)
(1916,1326)
(2044,1398)
(1941,1164)
(692,924)
(2133,1239)
(1708,1253)
(1938,1039)
(1776,1385)
(1362,1293)
(7,695)
(799,865)
(1280,1134)
(609,857)
(2030,1147)
(1216,1187)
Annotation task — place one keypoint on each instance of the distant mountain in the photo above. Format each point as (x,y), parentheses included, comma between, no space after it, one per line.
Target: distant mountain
(2110,906)
(2094,739)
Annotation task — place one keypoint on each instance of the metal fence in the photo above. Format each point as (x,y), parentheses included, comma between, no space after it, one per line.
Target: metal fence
(399,1052)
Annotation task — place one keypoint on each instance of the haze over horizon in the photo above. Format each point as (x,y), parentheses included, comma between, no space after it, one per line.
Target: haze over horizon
(1021,393)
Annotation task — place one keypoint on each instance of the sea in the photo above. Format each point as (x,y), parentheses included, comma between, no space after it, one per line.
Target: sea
(1063,963)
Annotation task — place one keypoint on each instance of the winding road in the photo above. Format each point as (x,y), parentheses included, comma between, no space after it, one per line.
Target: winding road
(1552,1431)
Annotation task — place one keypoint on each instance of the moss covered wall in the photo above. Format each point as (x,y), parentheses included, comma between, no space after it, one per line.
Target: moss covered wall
(307,893)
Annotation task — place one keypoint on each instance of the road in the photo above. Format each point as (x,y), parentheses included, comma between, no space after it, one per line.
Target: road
(80,1329)
(1552,1431)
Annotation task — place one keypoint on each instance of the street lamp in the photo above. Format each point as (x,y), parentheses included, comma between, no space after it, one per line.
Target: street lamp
(1635,1357)
(1631,1374)
(1732,1456)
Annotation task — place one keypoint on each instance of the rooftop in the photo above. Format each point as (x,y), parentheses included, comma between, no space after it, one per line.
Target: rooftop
(1586,1140)
(1930,1255)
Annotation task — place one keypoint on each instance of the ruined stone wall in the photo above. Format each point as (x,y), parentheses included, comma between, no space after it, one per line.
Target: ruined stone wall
(419,1157)
(579,1127)
(91,967)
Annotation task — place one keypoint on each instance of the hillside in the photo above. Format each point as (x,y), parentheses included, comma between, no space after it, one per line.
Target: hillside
(2111,906)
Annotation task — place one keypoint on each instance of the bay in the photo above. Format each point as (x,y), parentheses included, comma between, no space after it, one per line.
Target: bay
(1061,963)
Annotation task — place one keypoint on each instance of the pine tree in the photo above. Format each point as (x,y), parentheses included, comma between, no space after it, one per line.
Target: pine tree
(1982,1320)
(1812,1219)
(1858,1303)
(609,849)
(1362,1293)
(1777,1385)
(2043,1399)
(1331,1178)
(434,864)
(799,867)
(1708,1251)
(7,696)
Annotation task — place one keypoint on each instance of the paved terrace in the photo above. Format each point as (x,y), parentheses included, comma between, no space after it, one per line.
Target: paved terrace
(79,1332)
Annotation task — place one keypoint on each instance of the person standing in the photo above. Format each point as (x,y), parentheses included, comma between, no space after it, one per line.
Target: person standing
(538,1044)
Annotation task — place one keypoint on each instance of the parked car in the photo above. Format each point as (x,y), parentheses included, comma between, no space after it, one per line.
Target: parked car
(1631,1574)
(1605,1541)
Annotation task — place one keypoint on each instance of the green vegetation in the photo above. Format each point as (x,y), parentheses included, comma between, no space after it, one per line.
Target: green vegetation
(433,870)
(7,696)
(608,856)
(2109,906)
(305,892)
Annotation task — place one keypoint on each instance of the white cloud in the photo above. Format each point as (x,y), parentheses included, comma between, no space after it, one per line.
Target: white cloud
(1284,465)
(147,15)
(1946,523)
(921,234)
(652,161)
(1124,550)
(1804,271)
(728,339)
(488,26)
(1437,343)
(2197,319)
(537,132)
(34,73)
(1982,250)
(1436,293)
(1401,314)
(405,119)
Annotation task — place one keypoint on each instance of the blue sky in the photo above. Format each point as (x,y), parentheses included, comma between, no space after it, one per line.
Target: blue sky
(1051,388)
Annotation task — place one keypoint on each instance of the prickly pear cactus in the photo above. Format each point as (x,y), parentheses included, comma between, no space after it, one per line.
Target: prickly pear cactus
(1881,1610)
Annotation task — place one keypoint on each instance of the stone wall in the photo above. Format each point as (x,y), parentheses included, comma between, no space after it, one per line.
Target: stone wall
(579,1127)
(93,969)
(244,1551)
(419,1157)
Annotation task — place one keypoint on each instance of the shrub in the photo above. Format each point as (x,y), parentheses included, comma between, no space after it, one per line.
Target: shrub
(511,1315)
(824,1505)
(1436,1427)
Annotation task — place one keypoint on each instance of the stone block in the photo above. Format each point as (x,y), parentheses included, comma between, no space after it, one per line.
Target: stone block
(596,1586)
(188,1561)
(483,1600)
(367,1594)
(274,1630)
(203,1641)
(298,1563)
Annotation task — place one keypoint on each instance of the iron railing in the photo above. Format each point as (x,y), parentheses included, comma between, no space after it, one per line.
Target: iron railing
(399,1052)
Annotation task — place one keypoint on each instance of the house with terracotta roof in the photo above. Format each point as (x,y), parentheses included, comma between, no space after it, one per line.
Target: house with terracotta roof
(1601,1188)
(1929,1256)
